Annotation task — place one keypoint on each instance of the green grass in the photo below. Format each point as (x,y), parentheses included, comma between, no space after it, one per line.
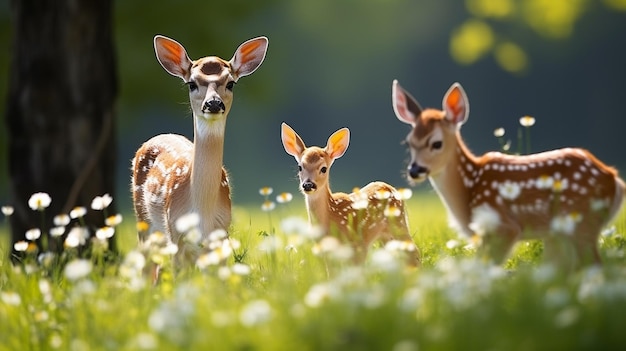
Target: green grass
(292,299)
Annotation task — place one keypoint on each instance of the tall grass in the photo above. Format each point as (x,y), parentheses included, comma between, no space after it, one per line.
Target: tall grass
(282,291)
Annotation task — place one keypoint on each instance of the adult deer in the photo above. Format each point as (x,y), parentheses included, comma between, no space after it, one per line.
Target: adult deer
(564,195)
(373,212)
(173,176)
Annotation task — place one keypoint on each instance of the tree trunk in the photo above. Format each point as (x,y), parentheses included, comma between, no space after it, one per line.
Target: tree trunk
(60,111)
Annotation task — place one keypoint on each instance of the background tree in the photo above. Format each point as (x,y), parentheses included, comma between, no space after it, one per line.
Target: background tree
(60,109)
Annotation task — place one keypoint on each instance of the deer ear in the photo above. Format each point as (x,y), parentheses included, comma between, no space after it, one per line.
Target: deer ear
(249,57)
(172,56)
(405,106)
(338,143)
(456,105)
(292,142)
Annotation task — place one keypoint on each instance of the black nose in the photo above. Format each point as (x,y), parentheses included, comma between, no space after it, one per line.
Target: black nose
(213,106)
(308,186)
(416,170)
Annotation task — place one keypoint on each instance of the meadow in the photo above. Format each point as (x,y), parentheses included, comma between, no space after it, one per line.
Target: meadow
(275,286)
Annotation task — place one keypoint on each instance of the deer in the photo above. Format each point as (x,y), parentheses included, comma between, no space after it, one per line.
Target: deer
(564,197)
(173,176)
(374,212)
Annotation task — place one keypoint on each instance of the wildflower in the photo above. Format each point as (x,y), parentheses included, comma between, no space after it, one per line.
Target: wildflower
(105,233)
(39,201)
(61,219)
(359,200)
(382,194)
(241,269)
(187,221)
(7,210)
(320,293)
(452,244)
(10,298)
(498,132)
(33,234)
(266,191)
(404,193)
(509,190)
(99,203)
(217,235)
(57,231)
(283,198)
(76,237)
(113,220)
(300,227)
(559,185)
(268,205)
(484,219)
(78,212)
(527,121)
(270,244)
(77,269)
(142,226)
(563,224)
(193,236)
(255,312)
(392,211)
(20,246)
(544,182)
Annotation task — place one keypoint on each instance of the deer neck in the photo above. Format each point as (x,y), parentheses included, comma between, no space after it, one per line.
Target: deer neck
(451,186)
(318,207)
(206,170)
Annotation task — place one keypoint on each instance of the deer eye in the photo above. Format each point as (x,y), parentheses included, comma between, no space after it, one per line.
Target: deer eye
(436,145)
(230,85)
(299,168)
(192,86)
(324,169)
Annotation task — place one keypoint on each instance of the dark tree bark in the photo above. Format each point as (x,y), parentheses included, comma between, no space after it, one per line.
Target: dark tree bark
(60,110)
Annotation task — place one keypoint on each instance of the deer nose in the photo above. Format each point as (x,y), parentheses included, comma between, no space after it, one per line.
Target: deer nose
(213,106)
(417,171)
(308,186)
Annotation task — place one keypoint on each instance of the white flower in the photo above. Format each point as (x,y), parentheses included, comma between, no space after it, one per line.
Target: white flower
(509,190)
(498,132)
(560,185)
(114,220)
(563,224)
(392,211)
(101,202)
(77,269)
(382,194)
(20,246)
(61,219)
(78,212)
(527,121)
(76,237)
(10,298)
(485,219)
(320,293)
(255,312)
(33,234)
(544,182)
(7,210)
(266,191)
(284,198)
(39,201)
(56,232)
(241,269)
(268,205)
(187,221)
(105,233)
(404,193)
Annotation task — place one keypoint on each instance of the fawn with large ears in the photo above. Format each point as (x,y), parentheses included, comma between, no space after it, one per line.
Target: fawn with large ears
(374,212)
(172,176)
(564,196)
